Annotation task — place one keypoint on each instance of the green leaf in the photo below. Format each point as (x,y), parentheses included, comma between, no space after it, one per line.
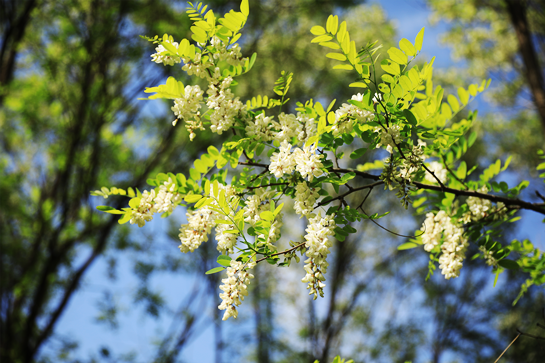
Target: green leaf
(346,67)
(407,246)
(356,154)
(127,217)
(397,56)
(330,45)
(419,39)
(214,270)
(410,117)
(509,264)
(358,84)
(408,47)
(336,56)
(317,30)
(463,95)
(105,208)
(322,38)
(224,260)
(192,198)
(244,8)
(268,216)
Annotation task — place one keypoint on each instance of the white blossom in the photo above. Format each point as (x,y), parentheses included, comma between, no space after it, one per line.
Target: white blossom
(196,66)
(478,207)
(161,57)
(289,127)
(413,161)
(440,172)
(146,209)
(488,257)
(305,198)
(235,287)
(307,129)
(282,162)
(440,228)
(167,198)
(255,204)
(347,114)
(389,138)
(308,164)
(196,231)
(260,128)
(186,108)
(317,243)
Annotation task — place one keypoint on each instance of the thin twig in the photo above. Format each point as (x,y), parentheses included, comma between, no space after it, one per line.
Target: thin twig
(280,253)
(502,353)
(531,336)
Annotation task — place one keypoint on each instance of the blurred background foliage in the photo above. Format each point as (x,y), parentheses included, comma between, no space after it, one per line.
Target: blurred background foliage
(70,74)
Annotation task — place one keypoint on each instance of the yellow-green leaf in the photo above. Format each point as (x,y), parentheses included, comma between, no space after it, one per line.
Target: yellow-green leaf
(397,56)
(406,46)
(346,67)
(419,39)
(244,7)
(332,24)
(322,38)
(192,198)
(330,45)
(358,84)
(317,30)
(336,56)
(463,95)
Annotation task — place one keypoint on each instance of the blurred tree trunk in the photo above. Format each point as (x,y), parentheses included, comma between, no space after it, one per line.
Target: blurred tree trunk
(517,10)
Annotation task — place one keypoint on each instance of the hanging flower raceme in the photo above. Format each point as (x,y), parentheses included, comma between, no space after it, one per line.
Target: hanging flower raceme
(318,243)
(235,287)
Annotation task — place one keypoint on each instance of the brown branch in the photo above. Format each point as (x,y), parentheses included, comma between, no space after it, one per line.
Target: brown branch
(267,185)
(536,207)
(352,190)
(530,335)
(280,253)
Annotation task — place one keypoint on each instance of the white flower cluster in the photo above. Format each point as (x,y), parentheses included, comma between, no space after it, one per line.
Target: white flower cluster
(145,210)
(282,162)
(317,244)
(196,231)
(306,129)
(347,113)
(305,198)
(440,172)
(488,257)
(413,162)
(389,137)
(440,227)
(168,198)
(161,57)
(186,108)
(201,222)
(479,208)
(255,204)
(232,56)
(226,241)
(260,128)
(235,287)
(224,106)
(288,126)
(197,66)
(305,161)
(150,203)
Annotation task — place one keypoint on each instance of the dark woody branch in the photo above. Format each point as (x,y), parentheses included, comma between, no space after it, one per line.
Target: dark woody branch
(511,202)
